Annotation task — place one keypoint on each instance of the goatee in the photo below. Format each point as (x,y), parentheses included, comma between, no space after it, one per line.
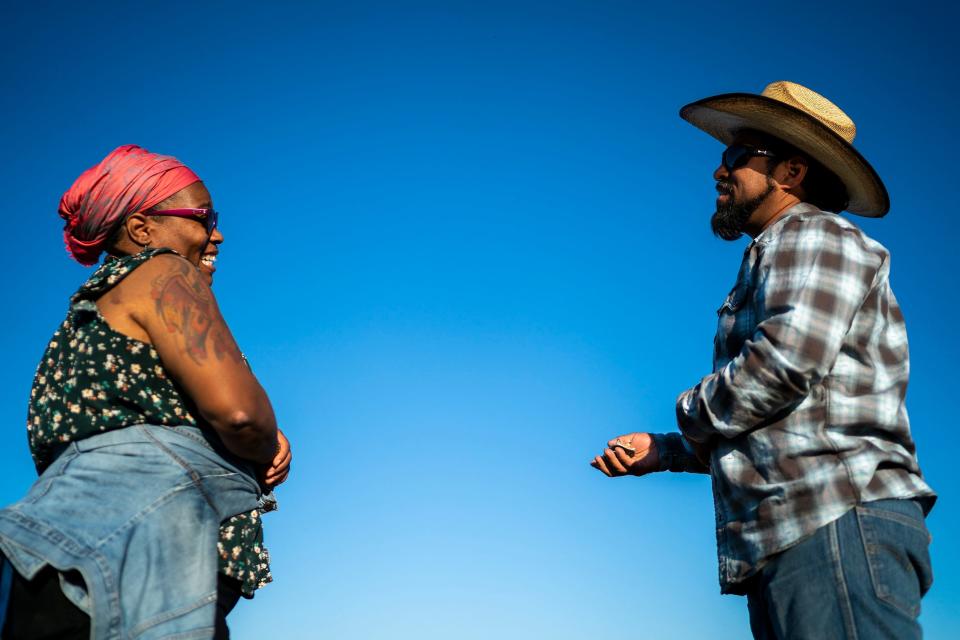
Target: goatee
(731,217)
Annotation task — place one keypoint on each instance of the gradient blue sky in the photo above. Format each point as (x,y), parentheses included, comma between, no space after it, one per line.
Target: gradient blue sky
(466,243)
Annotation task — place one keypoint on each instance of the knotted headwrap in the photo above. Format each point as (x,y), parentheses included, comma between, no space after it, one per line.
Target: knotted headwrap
(128,180)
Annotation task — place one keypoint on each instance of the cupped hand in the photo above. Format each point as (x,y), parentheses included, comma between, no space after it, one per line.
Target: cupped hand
(633,454)
(279,469)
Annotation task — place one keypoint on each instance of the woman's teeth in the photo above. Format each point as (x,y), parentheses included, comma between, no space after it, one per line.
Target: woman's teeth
(208,260)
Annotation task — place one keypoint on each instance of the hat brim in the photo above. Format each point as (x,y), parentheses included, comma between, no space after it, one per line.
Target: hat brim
(724,115)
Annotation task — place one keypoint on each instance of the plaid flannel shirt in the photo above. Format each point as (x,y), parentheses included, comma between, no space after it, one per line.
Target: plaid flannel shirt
(804,414)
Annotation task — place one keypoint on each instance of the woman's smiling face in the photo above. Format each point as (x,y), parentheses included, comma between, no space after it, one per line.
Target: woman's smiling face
(188,236)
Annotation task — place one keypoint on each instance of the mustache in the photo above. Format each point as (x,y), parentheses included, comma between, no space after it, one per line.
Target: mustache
(724,188)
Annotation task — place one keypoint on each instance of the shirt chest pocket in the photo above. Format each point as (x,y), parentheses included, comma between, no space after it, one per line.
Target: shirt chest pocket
(735,300)
(734,325)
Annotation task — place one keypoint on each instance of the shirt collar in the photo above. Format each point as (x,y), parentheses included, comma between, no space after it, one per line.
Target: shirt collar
(797,209)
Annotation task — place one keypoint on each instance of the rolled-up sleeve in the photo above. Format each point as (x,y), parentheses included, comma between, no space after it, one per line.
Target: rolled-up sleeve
(809,282)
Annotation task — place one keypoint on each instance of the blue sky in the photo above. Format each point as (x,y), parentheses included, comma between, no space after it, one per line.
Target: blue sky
(466,243)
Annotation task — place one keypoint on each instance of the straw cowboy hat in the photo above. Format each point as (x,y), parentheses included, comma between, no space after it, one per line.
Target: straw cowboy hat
(804,119)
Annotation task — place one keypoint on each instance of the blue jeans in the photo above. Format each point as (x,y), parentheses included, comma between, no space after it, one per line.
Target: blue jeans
(136,513)
(859,577)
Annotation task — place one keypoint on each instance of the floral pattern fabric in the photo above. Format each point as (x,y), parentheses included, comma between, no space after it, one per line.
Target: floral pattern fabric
(93,379)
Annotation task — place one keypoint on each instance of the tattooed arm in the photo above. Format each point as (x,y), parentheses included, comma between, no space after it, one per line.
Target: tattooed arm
(178,311)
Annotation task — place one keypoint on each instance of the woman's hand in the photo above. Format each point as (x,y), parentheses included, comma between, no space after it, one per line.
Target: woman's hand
(279,469)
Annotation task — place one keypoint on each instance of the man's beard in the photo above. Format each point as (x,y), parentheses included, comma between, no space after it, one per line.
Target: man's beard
(731,217)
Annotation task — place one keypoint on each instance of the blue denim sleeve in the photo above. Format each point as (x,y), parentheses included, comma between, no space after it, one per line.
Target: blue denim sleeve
(676,454)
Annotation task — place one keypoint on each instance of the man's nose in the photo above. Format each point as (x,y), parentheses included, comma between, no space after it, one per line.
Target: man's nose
(720,173)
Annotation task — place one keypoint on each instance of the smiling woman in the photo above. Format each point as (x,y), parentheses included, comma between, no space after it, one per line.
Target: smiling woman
(142,382)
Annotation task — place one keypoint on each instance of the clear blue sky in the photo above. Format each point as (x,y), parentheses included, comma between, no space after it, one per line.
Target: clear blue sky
(466,243)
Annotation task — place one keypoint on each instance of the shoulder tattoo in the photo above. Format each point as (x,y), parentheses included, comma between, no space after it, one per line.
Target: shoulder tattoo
(187,308)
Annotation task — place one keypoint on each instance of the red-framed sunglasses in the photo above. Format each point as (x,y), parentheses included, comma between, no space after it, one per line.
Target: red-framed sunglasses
(207,217)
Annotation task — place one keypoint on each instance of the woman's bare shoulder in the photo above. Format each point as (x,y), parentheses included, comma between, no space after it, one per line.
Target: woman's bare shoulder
(127,305)
(157,271)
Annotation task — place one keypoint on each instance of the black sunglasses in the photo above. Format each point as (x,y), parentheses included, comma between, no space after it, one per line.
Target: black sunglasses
(737,155)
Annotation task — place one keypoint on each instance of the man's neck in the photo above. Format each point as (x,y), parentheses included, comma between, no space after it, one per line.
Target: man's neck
(771,210)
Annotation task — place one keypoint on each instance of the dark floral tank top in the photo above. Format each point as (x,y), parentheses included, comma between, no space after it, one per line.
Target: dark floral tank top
(93,379)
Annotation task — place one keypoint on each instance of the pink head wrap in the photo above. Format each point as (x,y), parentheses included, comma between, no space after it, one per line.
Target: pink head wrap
(128,180)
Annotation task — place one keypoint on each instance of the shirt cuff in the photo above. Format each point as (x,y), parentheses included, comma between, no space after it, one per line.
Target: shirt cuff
(675,453)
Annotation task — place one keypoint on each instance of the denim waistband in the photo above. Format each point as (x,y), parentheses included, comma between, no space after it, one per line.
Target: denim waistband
(200,440)
(129,434)
(911,507)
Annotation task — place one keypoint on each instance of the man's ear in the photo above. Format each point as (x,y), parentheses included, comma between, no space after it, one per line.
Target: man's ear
(138,229)
(793,171)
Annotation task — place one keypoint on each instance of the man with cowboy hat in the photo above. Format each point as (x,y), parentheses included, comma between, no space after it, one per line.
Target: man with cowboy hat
(820,502)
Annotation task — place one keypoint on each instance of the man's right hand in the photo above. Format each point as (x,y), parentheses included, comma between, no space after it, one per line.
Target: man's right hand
(615,461)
